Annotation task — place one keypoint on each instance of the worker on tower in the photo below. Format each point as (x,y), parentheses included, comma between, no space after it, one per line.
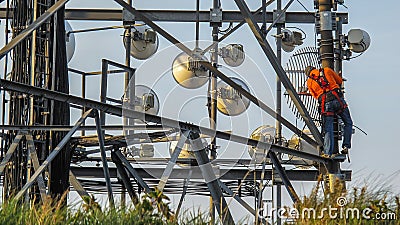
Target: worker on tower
(324,85)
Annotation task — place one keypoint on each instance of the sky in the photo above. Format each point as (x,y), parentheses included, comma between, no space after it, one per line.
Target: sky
(371,86)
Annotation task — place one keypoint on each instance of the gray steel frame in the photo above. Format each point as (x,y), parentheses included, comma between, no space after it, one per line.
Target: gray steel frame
(226,79)
(148,16)
(166,122)
(226,175)
(182,15)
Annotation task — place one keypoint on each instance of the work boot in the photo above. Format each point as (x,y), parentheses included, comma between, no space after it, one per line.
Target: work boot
(325,155)
(345,150)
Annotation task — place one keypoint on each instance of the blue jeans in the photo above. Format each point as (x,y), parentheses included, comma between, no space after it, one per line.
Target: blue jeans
(334,106)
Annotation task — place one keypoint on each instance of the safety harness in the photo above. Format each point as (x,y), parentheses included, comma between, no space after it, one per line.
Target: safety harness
(328,94)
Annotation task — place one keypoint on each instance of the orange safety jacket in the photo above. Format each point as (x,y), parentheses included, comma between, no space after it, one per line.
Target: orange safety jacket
(325,82)
(331,76)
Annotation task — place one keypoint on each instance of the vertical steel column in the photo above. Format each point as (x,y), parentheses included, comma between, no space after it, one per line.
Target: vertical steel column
(326,47)
(338,47)
(129,92)
(83,96)
(103,88)
(129,89)
(326,44)
(278,108)
(128,49)
(32,82)
(213,103)
(33,66)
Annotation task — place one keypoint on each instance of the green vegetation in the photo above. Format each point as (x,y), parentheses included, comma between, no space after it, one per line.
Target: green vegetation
(153,208)
(383,208)
(365,206)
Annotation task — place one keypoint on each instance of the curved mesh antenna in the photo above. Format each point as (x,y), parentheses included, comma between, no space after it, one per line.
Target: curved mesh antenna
(308,56)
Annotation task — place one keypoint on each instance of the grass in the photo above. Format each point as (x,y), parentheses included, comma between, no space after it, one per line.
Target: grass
(375,205)
(153,208)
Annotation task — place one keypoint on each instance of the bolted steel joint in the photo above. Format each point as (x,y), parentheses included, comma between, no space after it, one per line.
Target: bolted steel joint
(325,21)
(279,16)
(127,17)
(216,16)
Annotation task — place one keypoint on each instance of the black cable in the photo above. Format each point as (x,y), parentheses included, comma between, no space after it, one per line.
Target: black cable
(360,129)
(356,56)
(227,29)
(302,31)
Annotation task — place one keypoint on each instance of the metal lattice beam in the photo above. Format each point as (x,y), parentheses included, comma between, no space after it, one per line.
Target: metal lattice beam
(182,15)
(117,110)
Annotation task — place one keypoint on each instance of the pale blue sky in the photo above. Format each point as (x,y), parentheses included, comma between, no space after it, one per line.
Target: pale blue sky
(372,87)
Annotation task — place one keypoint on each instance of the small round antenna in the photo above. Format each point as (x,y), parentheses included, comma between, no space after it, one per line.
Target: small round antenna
(264,133)
(232,54)
(146,100)
(70,41)
(187,70)
(299,144)
(229,101)
(290,39)
(358,40)
(144,42)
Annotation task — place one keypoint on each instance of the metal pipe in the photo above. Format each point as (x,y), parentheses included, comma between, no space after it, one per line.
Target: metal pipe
(279,104)
(213,100)
(10,152)
(326,45)
(82,128)
(83,78)
(93,29)
(185,187)
(3,111)
(197,22)
(33,65)
(103,88)
(77,185)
